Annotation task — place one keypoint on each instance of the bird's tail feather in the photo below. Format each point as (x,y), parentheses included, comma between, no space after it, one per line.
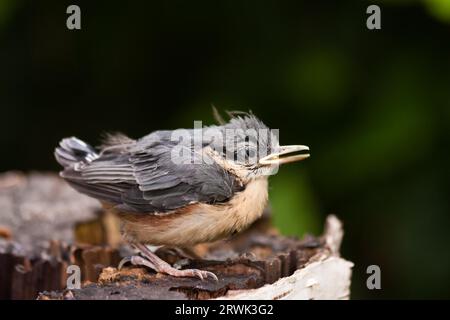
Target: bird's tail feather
(72,151)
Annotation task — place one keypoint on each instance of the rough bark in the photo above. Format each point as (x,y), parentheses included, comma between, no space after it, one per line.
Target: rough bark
(46,226)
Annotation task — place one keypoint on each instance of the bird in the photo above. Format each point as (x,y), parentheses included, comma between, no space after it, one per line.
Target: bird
(180,187)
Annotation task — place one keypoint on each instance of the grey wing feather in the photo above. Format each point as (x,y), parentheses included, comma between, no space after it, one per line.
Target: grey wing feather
(142,178)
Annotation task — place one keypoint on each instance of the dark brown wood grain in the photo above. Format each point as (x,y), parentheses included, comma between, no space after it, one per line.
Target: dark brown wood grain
(40,243)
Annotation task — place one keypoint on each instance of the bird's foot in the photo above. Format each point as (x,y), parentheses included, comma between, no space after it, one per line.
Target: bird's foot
(193,273)
(136,261)
(163,267)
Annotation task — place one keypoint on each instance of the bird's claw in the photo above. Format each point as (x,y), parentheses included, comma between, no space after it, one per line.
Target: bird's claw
(123,262)
(205,274)
(201,274)
(167,269)
(136,261)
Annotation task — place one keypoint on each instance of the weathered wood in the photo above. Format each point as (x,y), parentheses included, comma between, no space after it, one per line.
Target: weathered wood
(41,207)
(234,274)
(274,267)
(37,217)
(45,226)
(323,275)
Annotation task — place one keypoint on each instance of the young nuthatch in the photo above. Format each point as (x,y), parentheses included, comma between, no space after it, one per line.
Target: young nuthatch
(180,187)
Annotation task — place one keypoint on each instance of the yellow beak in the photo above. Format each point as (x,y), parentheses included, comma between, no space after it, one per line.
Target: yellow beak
(280,158)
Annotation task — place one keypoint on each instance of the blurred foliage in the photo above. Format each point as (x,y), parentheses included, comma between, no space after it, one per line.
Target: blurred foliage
(374,106)
(290,192)
(439,8)
(7,8)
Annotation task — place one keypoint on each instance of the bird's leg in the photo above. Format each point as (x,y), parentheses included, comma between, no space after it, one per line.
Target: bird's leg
(154,262)
(183,253)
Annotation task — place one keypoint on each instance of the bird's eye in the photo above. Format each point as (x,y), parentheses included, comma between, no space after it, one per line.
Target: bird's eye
(246,155)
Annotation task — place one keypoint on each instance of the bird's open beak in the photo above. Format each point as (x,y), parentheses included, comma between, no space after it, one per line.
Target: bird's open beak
(280,158)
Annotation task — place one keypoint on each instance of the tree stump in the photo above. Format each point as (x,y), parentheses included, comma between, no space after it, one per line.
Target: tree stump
(45,226)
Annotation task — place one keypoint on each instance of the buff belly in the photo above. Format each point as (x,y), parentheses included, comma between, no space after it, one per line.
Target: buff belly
(198,223)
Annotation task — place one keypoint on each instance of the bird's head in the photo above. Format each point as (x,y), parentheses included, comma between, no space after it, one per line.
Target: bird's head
(249,149)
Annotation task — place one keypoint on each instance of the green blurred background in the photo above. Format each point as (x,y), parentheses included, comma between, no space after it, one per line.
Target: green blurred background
(374,106)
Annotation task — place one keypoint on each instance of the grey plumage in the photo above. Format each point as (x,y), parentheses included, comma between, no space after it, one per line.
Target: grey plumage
(73,150)
(185,186)
(139,176)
